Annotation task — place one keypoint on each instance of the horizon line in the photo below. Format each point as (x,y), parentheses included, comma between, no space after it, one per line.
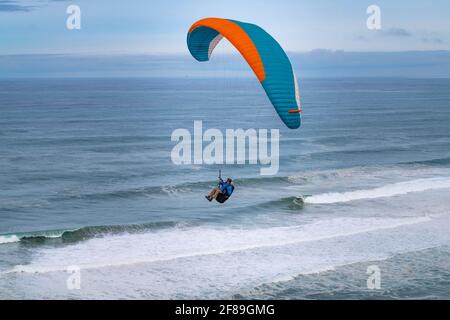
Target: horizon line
(318,50)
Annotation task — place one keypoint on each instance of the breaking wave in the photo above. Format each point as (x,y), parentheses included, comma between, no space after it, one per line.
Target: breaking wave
(390,190)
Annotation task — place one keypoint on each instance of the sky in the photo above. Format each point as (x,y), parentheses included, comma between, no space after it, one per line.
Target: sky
(160,26)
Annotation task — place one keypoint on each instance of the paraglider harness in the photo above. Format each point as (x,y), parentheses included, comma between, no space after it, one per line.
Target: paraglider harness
(221,197)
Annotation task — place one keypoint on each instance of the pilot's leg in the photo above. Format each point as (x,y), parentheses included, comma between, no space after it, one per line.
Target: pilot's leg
(213,194)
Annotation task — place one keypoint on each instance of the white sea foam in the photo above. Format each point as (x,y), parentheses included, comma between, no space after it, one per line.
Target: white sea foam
(390,190)
(176,243)
(219,262)
(9,239)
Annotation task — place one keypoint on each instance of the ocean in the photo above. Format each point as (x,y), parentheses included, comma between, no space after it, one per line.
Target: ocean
(87,182)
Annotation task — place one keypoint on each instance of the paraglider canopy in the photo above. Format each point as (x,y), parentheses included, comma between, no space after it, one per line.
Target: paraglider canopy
(264,55)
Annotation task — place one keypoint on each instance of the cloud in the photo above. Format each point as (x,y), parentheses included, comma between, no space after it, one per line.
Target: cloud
(430,38)
(361,38)
(395,32)
(22,6)
(433,40)
(390,32)
(13,6)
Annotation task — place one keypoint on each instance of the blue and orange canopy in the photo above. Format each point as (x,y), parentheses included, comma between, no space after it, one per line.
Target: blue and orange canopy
(265,56)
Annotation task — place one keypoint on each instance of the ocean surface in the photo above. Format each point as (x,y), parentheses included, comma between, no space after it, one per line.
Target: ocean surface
(87,182)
